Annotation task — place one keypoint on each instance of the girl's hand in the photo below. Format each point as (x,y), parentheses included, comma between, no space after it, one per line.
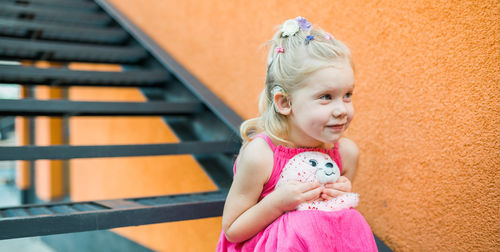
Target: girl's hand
(293,193)
(332,190)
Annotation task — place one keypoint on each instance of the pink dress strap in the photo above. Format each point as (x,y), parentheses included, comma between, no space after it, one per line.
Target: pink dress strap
(268,140)
(336,155)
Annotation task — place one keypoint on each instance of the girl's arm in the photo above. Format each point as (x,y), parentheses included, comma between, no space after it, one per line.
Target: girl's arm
(244,216)
(349,153)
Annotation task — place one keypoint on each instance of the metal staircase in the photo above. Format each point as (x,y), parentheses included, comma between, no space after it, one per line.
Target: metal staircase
(84,31)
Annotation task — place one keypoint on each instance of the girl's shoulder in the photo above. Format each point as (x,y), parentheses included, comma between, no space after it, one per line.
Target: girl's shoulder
(349,153)
(256,157)
(348,148)
(257,147)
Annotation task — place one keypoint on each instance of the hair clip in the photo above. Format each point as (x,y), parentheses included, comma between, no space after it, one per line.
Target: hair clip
(309,38)
(328,37)
(303,23)
(280,49)
(289,28)
(292,26)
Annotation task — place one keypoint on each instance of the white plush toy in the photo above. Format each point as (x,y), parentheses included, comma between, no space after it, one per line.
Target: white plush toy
(311,166)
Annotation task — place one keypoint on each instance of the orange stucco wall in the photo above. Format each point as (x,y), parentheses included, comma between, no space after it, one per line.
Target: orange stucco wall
(49,174)
(23,180)
(49,131)
(427,100)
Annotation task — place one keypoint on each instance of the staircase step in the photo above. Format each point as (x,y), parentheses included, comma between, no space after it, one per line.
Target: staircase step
(50,15)
(62,31)
(32,107)
(66,77)
(63,152)
(20,49)
(56,4)
(47,219)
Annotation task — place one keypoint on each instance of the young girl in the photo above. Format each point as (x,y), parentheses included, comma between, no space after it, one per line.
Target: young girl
(305,106)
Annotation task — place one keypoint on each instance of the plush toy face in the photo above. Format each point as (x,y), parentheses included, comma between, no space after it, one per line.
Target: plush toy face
(310,166)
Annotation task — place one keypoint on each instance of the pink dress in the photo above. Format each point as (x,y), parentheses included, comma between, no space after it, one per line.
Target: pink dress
(308,230)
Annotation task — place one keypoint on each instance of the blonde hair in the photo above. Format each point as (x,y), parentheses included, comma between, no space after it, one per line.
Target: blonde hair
(287,69)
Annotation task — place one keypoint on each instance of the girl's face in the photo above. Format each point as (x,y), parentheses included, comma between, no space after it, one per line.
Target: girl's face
(322,108)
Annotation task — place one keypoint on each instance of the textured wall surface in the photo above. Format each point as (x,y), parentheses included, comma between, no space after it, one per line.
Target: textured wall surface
(427,100)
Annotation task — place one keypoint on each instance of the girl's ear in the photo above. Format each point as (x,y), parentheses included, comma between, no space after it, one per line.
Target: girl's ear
(282,103)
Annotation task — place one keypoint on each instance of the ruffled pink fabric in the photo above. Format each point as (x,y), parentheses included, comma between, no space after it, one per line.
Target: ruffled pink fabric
(343,230)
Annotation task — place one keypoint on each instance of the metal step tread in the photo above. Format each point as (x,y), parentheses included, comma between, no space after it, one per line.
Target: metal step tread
(63,51)
(47,219)
(48,14)
(63,152)
(57,4)
(65,77)
(33,107)
(62,31)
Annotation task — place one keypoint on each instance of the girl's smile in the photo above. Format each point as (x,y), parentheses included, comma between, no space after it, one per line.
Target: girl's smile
(336,127)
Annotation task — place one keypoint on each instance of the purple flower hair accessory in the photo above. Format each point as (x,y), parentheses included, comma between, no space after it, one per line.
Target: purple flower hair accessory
(303,23)
(309,38)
